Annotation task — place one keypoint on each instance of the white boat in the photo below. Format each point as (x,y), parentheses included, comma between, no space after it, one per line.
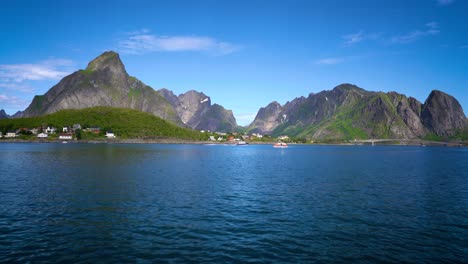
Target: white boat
(242,143)
(280,145)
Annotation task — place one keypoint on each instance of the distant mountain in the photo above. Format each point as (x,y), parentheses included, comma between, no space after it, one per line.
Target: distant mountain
(196,111)
(3,114)
(349,112)
(104,82)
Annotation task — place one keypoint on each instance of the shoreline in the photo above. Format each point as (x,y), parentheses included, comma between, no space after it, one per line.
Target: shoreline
(415,142)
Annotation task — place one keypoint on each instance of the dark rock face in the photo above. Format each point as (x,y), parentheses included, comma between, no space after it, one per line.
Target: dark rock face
(350,112)
(268,118)
(442,114)
(105,82)
(216,118)
(3,114)
(410,117)
(195,111)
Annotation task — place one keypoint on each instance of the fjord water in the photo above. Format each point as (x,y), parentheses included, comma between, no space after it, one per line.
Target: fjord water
(194,203)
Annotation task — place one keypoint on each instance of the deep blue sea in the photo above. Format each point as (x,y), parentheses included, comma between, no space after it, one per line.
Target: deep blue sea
(104,203)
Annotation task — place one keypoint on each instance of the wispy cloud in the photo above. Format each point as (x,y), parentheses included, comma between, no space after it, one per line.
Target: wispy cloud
(432,28)
(52,69)
(445,2)
(16,87)
(141,42)
(464,47)
(343,59)
(360,36)
(13,102)
(330,61)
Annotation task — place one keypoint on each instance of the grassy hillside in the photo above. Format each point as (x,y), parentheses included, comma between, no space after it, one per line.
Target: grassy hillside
(125,123)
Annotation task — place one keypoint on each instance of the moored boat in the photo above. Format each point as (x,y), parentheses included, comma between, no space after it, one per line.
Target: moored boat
(280,145)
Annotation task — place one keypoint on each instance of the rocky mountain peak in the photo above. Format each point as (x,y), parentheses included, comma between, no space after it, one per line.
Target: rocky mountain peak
(443,114)
(273,104)
(3,114)
(104,83)
(108,60)
(347,87)
(195,110)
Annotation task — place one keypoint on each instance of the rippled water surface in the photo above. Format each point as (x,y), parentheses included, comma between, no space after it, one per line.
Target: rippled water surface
(193,203)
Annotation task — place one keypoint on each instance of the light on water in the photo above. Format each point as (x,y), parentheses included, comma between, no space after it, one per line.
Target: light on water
(194,203)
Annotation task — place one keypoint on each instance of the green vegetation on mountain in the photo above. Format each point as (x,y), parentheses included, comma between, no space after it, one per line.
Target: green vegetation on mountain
(124,122)
(348,112)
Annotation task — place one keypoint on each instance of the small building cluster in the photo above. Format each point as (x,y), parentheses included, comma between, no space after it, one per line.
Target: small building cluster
(65,133)
(233,136)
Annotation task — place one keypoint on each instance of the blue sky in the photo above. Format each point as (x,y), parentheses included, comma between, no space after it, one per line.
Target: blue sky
(243,54)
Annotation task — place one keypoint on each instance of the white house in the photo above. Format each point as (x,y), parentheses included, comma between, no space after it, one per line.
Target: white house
(1,134)
(212,138)
(110,135)
(66,136)
(10,135)
(34,131)
(42,135)
(50,130)
(66,129)
(258,135)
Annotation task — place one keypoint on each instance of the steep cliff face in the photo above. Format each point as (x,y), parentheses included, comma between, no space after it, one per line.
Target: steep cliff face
(216,118)
(196,111)
(442,114)
(348,112)
(193,106)
(104,82)
(267,119)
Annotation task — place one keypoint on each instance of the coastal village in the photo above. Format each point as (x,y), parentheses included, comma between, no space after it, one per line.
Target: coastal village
(73,132)
(78,132)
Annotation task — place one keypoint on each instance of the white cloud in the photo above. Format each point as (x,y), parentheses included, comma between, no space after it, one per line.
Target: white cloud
(432,28)
(52,69)
(445,2)
(141,42)
(330,61)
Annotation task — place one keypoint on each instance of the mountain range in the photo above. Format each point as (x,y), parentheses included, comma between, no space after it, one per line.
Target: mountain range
(349,112)
(105,82)
(345,112)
